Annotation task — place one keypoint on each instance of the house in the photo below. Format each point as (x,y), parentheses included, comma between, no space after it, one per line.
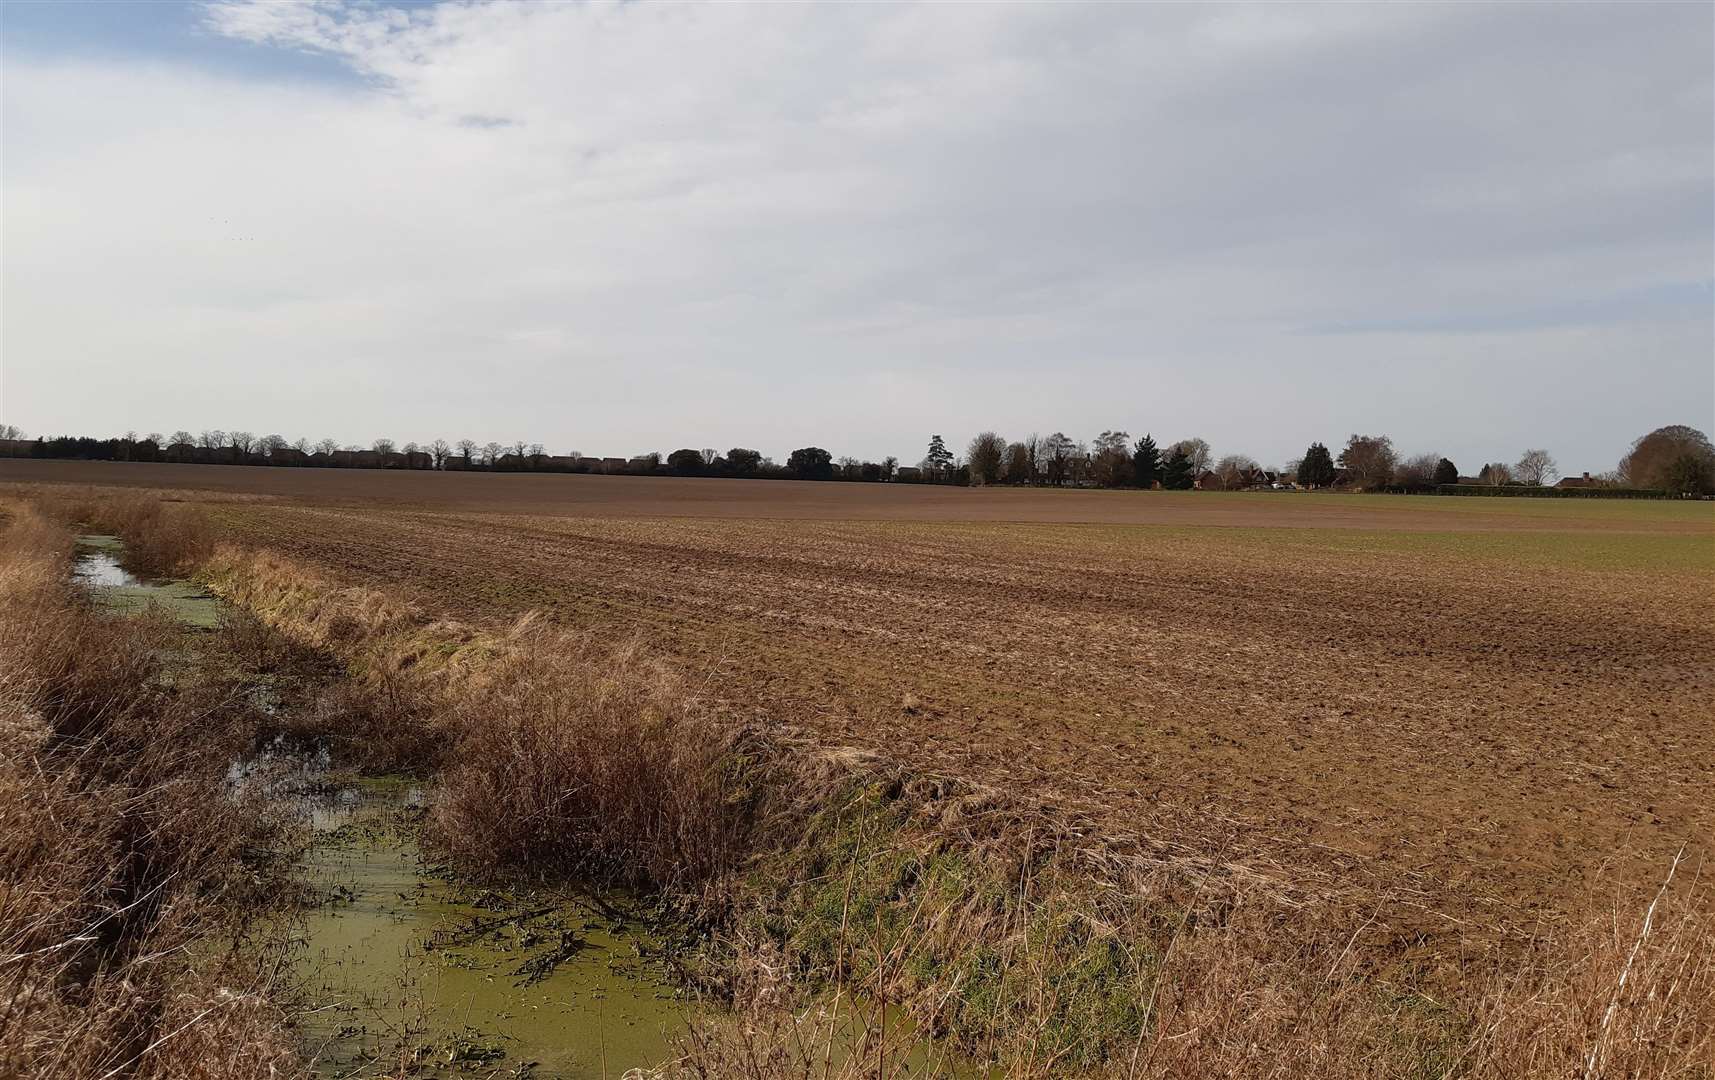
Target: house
(1585,481)
(418,459)
(562,462)
(356,459)
(612,464)
(216,455)
(286,455)
(909,474)
(1207,481)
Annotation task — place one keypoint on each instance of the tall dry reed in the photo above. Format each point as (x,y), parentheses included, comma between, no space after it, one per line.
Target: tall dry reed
(119,847)
(576,756)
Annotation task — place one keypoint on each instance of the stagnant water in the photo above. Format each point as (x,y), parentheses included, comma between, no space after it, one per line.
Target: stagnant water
(404,969)
(99,569)
(405,961)
(400,963)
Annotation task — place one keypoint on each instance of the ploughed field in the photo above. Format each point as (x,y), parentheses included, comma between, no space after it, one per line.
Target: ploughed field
(1462,714)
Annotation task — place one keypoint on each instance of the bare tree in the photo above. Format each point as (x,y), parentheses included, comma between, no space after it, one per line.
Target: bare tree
(1536,468)
(987,453)
(212,440)
(181,436)
(1110,458)
(491,454)
(1196,451)
(411,448)
(301,445)
(438,451)
(1418,470)
(327,446)
(1370,459)
(889,466)
(1647,463)
(382,446)
(1496,474)
(243,442)
(537,455)
(1020,464)
(271,443)
(467,450)
(1054,458)
(11,431)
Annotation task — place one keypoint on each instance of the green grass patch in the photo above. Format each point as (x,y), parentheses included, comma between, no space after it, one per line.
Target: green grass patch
(870,901)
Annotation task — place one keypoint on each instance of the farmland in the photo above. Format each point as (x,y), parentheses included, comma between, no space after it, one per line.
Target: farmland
(1462,715)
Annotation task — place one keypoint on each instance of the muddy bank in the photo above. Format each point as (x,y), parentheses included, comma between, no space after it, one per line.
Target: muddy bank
(398,964)
(402,961)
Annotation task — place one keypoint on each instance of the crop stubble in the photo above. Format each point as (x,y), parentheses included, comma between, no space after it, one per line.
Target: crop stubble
(1450,713)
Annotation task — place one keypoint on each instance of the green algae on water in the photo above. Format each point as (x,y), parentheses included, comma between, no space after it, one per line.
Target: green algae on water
(100,570)
(402,965)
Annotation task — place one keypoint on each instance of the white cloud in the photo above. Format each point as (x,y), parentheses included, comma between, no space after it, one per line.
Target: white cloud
(626,227)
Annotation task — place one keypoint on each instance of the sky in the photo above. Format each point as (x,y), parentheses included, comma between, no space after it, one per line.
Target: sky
(617,228)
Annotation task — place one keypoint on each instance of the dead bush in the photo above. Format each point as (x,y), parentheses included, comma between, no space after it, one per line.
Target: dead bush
(576,757)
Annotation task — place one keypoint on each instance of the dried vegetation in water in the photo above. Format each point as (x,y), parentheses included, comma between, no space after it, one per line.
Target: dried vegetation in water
(122,856)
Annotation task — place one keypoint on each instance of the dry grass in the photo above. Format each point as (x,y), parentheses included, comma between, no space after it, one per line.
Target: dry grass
(576,757)
(1628,993)
(1249,993)
(162,535)
(1010,928)
(120,849)
(1022,932)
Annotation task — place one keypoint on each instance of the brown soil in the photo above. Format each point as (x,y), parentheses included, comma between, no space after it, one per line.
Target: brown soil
(1375,701)
(575,495)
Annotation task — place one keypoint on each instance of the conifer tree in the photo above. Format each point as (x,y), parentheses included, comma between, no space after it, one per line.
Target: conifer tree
(939,459)
(1176,475)
(1146,463)
(1317,468)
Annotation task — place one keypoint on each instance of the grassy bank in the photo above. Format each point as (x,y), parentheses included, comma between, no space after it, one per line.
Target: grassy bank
(121,853)
(1020,933)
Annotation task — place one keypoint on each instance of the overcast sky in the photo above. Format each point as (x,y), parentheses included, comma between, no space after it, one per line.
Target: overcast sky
(617,228)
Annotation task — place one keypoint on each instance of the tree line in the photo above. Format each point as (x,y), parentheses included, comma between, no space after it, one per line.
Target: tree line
(1674,459)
